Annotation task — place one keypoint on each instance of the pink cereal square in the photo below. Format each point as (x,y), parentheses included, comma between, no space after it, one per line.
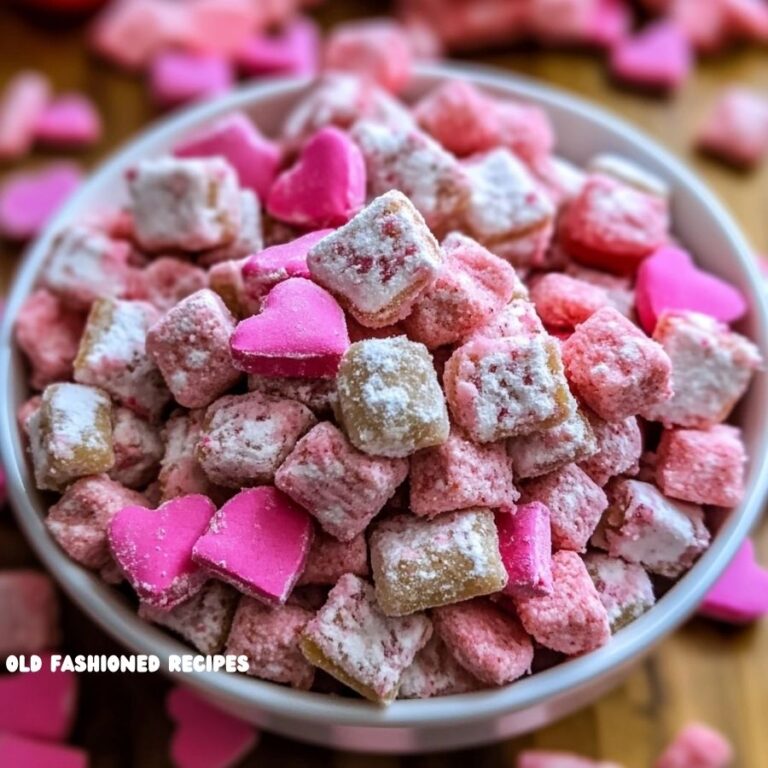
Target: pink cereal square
(702,466)
(258,542)
(78,521)
(48,334)
(696,746)
(435,672)
(185,204)
(319,395)
(190,346)
(379,263)
(269,639)
(563,302)
(472,286)
(342,487)
(615,368)
(24,752)
(29,613)
(329,559)
(571,619)
(642,526)
(575,502)
(245,438)
(619,446)
(613,226)
(203,620)
(166,281)
(225,279)
(351,639)
(138,448)
(459,474)
(486,641)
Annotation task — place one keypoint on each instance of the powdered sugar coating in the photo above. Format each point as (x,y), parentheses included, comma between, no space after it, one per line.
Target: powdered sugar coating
(619,446)
(435,672)
(351,639)
(628,172)
(138,448)
(420,564)
(329,559)
(342,487)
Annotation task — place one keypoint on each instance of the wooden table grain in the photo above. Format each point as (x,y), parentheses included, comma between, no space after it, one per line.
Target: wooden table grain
(705,672)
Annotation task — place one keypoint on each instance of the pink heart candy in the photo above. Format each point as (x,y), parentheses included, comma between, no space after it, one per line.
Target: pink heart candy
(178,77)
(22,752)
(294,51)
(325,187)
(153,548)
(741,594)
(40,704)
(69,121)
(669,279)
(258,542)
(206,737)
(29,198)
(300,331)
(238,140)
(659,56)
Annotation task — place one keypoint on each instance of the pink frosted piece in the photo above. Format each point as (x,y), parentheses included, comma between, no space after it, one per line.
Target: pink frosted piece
(206,737)
(329,559)
(740,595)
(40,704)
(29,613)
(153,548)
(670,280)
(485,640)
(168,280)
(178,77)
(545,759)
(265,269)
(258,542)
(571,619)
(525,544)
(564,302)
(619,445)
(435,672)
(21,103)
(236,138)
(294,50)
(659,56)
(28,199)
(697,746)
(300,331)
(325,187)
(70,121)
(22,752)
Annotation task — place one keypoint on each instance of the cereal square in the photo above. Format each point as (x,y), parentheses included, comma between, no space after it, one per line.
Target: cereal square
(619,446)
(329,559)
(138,448)
(341,487)
(249,238)
(420,564)
(190,346)
(615,368)
(167,280)
(353,641)
(379,263)
(563,302)
(435,672)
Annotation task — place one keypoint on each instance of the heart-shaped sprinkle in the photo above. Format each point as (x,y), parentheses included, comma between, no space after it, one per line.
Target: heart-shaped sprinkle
(325,187)
(669,279)
(29,198)
(658,57)
(206,737)
(300,331)
(741,594)
(69,121)
(294,51)
(22,752)
(40,704)
(258,542)
(153,548)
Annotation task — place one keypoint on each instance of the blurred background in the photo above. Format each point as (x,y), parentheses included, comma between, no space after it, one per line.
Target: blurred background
(708,672)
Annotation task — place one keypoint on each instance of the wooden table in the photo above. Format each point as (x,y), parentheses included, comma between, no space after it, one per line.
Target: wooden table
(706,672)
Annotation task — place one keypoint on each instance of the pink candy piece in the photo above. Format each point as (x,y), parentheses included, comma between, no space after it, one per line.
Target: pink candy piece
(325,187)
(206,737)
(525,545)
(70,121)
(219,26)
(741,594)
(669,279)
(38,704)
(300,331)
(29,198)
(696,746)
(658,57)
(237,139)
(258,542)
(294,51)
(21,752)
(21,104)
(176,77)
(153,548)
(29,613)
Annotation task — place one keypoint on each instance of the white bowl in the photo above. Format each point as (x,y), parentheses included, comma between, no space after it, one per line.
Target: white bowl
(453,721)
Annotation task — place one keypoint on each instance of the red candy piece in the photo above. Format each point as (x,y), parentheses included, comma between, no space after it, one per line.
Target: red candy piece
(21,752)
(740,596)
(669,279)
(70,121)
(206,737)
